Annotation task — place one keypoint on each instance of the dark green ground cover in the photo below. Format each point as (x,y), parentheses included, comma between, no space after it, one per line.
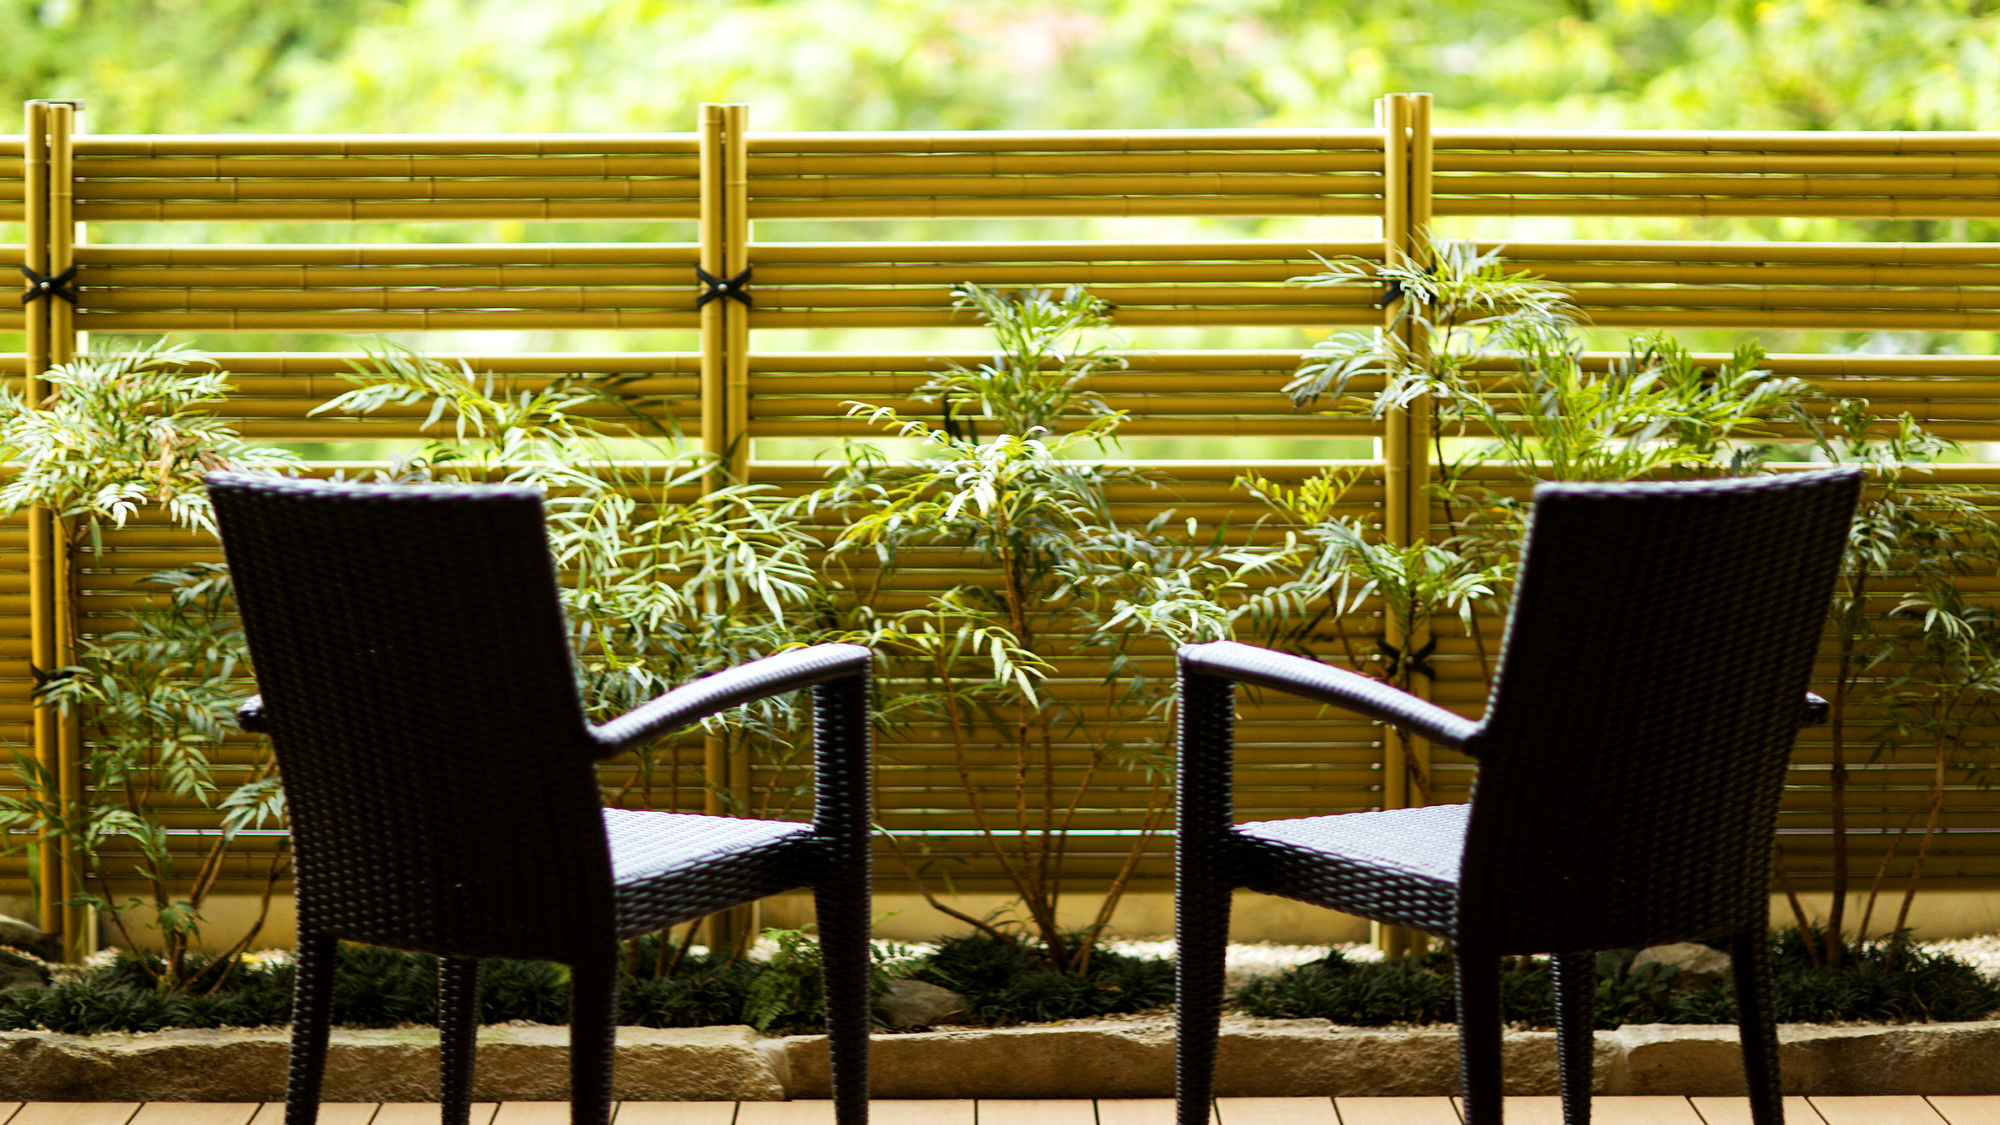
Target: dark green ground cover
(1003,984)
(374,988)
(1877,984)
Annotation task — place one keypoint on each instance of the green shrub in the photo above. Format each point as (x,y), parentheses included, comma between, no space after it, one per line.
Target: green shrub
(1006,982)
(1876,983)
(1409,990)
(372,987)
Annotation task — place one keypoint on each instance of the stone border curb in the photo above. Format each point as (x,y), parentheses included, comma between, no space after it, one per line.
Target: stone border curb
(1122,1059)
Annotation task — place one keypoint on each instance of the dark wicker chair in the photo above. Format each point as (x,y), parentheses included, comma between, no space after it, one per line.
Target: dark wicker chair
(1631,760)
(416,680)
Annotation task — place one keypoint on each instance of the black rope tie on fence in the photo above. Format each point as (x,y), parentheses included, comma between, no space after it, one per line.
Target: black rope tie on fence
(40,285)
(1418,661)
(735,288)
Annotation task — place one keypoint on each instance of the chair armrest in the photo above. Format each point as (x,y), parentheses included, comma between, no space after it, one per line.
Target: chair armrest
(250,715)
(731,687)
(1299,676)
(1816,711)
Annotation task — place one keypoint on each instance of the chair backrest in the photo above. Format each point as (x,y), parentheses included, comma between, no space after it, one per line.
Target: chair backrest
(1648,692)
(409,646)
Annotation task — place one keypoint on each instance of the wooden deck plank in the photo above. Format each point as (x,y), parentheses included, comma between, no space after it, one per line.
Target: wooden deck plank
(330,1113)
(674,1113)
(196,1113)
(524,1113)
(1643,1109)
(1906,1109)
(1538,1109)
(8,1110)
(1136,1111)
(75,1113)
(918,1111)
(811,1111)
(1276,1111)
(428,1113)
(1967,1109)
(1034,1111)
(1396,1111)
(1736,1111)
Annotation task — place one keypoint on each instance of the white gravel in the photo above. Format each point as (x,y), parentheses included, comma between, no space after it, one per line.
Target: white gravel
(1982,952)
(1265,958)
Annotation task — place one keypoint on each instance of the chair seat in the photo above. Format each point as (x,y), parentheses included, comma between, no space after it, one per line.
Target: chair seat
(1398,865)
(672,867)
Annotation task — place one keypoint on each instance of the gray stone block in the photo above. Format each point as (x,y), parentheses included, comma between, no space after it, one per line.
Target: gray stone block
(1107,1059)
(1077,1060)
(514,1064)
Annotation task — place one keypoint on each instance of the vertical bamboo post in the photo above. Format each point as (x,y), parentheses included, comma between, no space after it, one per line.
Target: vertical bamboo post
(1406,211)
(62,126)
(1391,116)
(51,340)
(736,315)
(714,250)
(79,929)
(725,399)
(1416,498)
(46,735)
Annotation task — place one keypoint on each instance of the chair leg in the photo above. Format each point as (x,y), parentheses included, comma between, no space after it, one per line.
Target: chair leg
(1478,976)
(593,1036)
(312,1012)
(850,1003)
(1201,938)
(1750,951)
(1576,1019)
(458,1036)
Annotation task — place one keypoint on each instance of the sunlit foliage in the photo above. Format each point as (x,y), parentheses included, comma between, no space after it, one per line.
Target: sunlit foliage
(522,65)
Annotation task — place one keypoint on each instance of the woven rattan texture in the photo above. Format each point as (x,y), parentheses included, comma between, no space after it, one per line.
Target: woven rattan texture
(418,687)
(672,868)
(416,681)
(1644,708)
(1404,861)
(1632,757)
(1250,665)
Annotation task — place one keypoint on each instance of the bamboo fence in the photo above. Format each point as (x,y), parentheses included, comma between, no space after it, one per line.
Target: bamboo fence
(709,186)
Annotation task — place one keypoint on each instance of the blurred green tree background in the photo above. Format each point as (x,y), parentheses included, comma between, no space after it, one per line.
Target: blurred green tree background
(388,66)
(586,65)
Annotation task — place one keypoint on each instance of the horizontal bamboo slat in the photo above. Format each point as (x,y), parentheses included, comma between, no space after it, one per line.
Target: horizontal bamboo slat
(996,164)
(527,210)
(382,144)
(96,168)
(107,192)
(1789,187)
(1711,207)
(893,253)
(383,322)
(1744,140)
(1747,251)
(547,254)
(1718,163)
(1100,141)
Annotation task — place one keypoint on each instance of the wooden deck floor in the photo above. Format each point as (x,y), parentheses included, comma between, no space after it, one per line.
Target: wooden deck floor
(1105,1111)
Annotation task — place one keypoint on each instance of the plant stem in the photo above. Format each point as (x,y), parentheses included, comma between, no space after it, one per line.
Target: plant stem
(1798,908)
(1882,872)
(1854,621)
(1923,853)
